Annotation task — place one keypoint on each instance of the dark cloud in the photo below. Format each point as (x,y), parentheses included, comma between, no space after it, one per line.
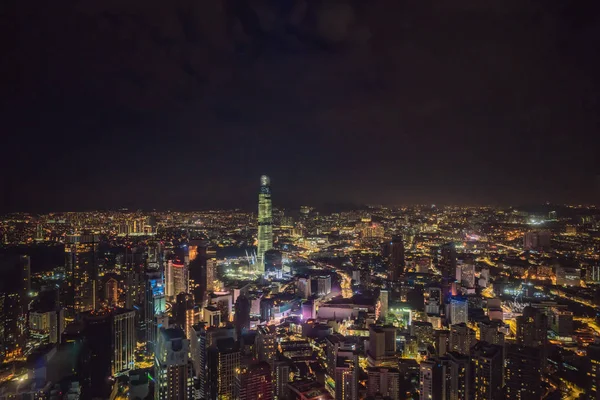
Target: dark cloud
(184,103)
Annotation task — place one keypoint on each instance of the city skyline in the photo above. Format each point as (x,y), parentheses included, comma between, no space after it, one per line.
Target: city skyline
(300,199)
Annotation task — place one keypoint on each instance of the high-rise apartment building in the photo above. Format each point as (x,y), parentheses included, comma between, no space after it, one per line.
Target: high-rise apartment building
(222,366)
(432,375)
(462,338)
(488,364)
(202,339)
(265,223)
(265,344)
(523,372)
(383,382)
(171,367)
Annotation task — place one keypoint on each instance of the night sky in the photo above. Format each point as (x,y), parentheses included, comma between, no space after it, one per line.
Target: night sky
(184,104)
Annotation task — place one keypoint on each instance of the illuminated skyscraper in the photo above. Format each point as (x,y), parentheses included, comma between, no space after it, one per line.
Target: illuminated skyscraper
(176,278)
(82,271)
(123,339)
(265,222)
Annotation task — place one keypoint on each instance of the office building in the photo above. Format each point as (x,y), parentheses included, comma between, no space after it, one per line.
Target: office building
(384,382)
(171,368)
(265,223)
(223,363)
(154,305)
(81,265)
(254,382)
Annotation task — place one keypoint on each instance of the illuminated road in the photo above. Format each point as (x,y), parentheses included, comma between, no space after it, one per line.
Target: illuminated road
(562,294)
(346,284)
(590,322)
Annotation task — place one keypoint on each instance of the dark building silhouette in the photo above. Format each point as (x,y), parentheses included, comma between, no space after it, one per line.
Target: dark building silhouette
(448,262)
(242,315)
(523,372)
(273,260)
(223,362)
(15,285)
(395,253)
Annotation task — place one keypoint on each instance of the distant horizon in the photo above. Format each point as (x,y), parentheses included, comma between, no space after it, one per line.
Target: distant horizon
(328,206)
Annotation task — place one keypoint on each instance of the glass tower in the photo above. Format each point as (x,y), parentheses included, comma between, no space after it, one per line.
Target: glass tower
(265,223)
